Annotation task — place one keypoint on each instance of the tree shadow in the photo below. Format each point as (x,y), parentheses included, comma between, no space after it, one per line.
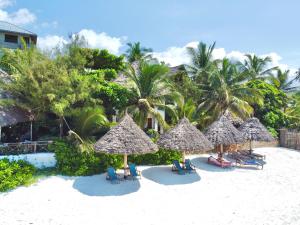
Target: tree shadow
(97,185)
(201,163)
(164,175)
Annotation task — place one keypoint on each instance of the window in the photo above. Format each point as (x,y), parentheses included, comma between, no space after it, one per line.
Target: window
(149,123)
(11,38)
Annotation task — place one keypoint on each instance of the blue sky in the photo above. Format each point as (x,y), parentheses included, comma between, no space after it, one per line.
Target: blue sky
(256,26)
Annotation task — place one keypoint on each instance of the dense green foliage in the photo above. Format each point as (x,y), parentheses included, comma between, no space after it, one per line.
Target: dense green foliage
(270,112)
(161,157)
(14,174)
(75,160)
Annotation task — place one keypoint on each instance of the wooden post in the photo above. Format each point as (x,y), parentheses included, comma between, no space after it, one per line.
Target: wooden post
(221,150)
(250,144)
(31,131)
(125,165)
(183,156)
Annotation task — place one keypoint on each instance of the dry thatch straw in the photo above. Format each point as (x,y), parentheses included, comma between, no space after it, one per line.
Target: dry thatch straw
(253,130)
(235,120)
(222,132)
(125,138)
(185,137)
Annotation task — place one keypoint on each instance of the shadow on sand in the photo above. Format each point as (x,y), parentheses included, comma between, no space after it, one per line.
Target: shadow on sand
(164,175)
(201,163)
(97,185)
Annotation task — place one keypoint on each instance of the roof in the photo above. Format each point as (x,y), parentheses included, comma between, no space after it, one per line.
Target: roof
(125,138)
(11,28)
(185,137)
(12,115)
(253,130)
(235,120)
(222,132)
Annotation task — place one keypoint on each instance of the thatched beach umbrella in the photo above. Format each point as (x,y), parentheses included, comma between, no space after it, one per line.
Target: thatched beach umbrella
(253,130)
(186,138)
(222,132)
(125,138)
(235,120)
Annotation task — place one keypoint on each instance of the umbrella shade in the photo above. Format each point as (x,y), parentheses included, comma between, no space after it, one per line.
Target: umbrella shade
(125,138)
(253,130)
(185,137)
(222,132)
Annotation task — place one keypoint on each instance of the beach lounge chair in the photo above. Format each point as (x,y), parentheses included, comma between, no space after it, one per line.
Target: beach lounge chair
(177,167)
(220,163)
(245,160)
(134,173)
(252,154)
(112,175)
(250,162)
(188,166)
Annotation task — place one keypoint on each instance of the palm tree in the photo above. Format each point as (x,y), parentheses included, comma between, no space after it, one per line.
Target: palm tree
(182,108)
(136,52)
(201,61)
(151,88)
(226,90)
(256,67)
(280,80)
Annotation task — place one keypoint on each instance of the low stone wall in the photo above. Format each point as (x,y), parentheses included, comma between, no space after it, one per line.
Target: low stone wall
(39,160)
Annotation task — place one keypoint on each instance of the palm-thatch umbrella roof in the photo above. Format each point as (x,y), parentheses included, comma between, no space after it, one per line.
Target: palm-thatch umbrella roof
(253,130)
(235,120)
(222,132)
(185,137)
(125,138)
(12,115)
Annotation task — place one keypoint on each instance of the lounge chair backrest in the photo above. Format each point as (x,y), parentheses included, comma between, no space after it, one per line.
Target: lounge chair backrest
(177,165)
(187,164)
(112,173)
(132,169)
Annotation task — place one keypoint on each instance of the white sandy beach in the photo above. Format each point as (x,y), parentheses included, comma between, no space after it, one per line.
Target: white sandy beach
(213,196)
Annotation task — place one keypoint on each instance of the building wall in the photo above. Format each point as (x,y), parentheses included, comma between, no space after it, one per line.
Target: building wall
(4,44)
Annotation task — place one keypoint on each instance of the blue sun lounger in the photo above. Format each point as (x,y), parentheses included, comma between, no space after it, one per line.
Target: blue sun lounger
(112,175)
(188,166)
(250,162)
(177,167)
(134,173)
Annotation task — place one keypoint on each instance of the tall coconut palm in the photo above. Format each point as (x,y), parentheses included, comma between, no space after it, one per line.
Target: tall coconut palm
(151,87)
(136,52)
(226,90)
(256,67)
(201,61)
(282,82)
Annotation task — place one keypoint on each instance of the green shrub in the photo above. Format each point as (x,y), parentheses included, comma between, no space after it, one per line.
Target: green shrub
(161,157)
(14,174)
(72,160)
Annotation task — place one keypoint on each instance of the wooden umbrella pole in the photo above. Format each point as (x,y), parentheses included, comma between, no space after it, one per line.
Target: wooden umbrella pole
(221,150)
(125,164)
(183,156)
(250,143)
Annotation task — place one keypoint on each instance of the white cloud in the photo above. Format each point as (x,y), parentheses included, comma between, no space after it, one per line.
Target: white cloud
(102,40)
(5,3)
(94,40)
(50,42)
(20,17)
